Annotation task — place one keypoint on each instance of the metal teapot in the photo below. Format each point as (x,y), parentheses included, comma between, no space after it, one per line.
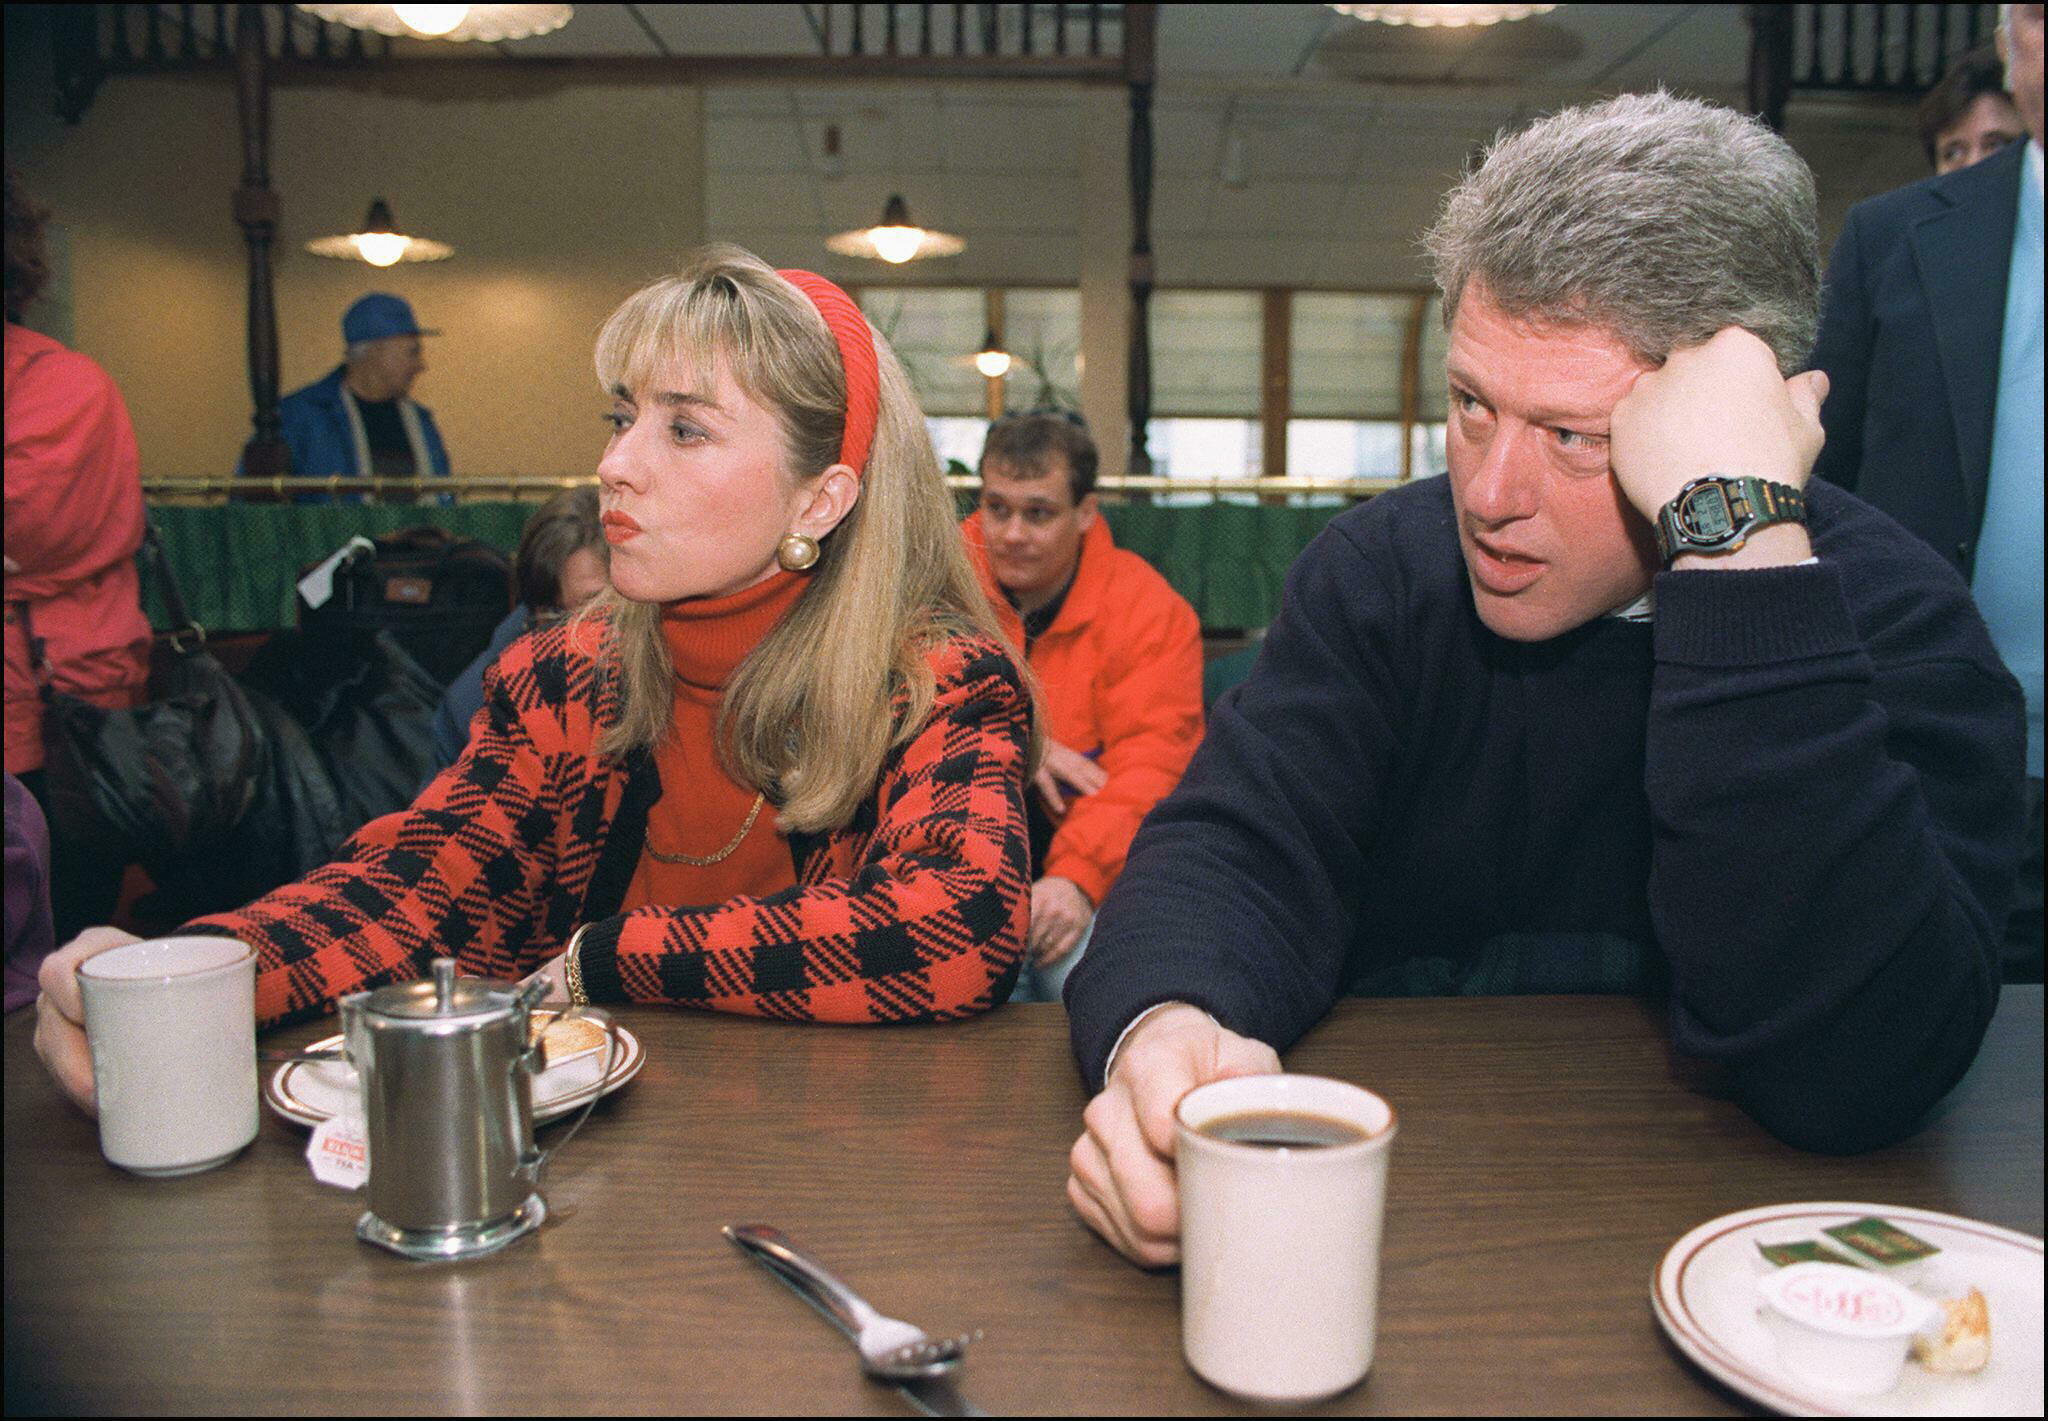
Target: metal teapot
(446,1068)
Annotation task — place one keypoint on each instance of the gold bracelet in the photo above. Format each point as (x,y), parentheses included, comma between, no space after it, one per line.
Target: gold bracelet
(572,969)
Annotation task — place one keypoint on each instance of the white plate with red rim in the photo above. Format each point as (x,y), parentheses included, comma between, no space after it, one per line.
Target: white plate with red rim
(1705,1296)
(308,1092)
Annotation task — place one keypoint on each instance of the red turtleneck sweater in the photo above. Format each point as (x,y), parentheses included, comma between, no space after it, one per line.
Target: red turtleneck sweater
(701,808)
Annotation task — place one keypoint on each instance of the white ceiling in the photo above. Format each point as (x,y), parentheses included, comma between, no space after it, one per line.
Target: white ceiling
(1292,145)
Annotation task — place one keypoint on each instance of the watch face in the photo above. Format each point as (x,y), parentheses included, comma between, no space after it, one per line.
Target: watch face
(1705,515)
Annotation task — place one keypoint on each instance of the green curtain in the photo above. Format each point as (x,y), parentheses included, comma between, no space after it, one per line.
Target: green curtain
(1229,559)
(237,563)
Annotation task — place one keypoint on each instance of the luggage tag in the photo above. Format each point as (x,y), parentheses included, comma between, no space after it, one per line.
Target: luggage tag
(317,586)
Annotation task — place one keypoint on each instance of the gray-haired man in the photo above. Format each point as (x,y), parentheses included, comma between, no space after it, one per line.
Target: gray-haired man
(1621,704)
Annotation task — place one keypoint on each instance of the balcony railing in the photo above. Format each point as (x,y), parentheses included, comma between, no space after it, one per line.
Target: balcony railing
(1087,42)
(1899,49)
(532,488)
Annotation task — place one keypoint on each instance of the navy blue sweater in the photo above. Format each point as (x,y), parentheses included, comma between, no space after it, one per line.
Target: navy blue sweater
(1793,802)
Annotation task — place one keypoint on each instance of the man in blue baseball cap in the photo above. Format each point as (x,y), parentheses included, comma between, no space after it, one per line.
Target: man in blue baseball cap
(357,421)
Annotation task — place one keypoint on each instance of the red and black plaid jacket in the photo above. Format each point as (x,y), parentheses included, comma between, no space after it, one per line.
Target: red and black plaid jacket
(915,911)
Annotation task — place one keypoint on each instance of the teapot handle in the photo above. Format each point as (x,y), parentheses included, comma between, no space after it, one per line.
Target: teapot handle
(537,1160)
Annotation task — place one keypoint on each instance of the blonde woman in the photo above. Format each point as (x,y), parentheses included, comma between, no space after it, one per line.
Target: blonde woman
(778,769)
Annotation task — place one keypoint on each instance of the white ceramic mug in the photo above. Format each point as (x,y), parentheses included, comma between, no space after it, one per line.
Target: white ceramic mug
(1280,1247)
(172,1025)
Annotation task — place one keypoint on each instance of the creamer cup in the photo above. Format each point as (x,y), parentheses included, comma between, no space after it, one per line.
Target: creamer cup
(1842,1327)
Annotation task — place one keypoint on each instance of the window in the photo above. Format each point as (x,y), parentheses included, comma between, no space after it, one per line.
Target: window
(1041,329)
(1344,449)
(1363,376)
(935,331)
(1345,356)
(957,439)
(1347,361)
(1431,391)
(1206,360)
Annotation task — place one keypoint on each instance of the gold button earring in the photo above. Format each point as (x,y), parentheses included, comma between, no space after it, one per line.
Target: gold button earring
(796,551)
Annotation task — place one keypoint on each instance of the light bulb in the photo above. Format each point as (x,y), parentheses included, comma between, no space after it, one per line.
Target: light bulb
(430,20)
(993,363)
(381,248)
(897,244)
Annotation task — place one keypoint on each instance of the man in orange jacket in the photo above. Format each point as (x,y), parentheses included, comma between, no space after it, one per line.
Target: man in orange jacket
(1118,657)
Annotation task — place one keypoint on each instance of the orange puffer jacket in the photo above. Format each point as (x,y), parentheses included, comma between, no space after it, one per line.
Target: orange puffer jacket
(1120,678)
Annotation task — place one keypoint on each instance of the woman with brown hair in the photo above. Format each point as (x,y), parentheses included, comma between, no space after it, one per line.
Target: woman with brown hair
(777,769)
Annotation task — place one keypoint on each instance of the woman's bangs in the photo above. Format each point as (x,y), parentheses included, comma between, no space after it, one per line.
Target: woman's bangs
(646,340)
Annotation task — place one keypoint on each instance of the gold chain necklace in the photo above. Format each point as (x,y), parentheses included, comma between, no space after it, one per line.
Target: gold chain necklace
(723,854)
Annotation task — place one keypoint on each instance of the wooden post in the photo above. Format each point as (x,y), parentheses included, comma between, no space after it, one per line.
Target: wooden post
(1411,383)
(1276,386)
(1770,62)
(992,315)
(256,208)
(1139,21)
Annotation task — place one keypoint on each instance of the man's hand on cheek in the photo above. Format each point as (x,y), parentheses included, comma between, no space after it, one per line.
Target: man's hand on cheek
(1717,408)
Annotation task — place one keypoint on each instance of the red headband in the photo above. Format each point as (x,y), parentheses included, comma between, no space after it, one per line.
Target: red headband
(856,357)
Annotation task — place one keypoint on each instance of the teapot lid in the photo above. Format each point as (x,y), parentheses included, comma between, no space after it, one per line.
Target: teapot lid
(444,997)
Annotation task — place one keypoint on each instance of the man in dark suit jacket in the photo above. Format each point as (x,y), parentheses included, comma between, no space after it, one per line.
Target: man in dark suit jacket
(1931,337)
(1909,337)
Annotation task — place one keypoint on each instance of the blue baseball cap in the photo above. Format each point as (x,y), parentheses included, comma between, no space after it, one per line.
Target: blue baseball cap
(379,315)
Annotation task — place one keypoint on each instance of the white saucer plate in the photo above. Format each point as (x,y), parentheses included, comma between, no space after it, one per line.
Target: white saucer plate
(308,1092)
(1705,1296)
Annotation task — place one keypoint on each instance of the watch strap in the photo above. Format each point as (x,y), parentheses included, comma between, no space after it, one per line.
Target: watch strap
(1717,514)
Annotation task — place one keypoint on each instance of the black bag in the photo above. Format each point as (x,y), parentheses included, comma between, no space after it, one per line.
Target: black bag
(438,595)
(171,780)
(367,710)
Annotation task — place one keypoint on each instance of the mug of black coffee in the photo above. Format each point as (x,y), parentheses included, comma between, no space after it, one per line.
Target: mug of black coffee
(1283,1190)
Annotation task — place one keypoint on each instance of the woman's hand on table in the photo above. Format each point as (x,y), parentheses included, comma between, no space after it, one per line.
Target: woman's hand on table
(60,1014)
(1121,1181)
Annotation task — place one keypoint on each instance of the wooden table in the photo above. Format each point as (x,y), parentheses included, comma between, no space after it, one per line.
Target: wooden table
(1550,1151)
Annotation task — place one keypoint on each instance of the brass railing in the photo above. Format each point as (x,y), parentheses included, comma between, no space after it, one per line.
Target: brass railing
(522,488)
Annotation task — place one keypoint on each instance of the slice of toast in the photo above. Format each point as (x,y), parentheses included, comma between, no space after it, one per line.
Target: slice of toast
(1964,1342)
(564,1037)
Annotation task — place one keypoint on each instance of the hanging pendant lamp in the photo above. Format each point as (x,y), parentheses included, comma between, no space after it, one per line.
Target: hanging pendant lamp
(380,243)
(1442,16)
(488,23)
(992,360)
(896,239)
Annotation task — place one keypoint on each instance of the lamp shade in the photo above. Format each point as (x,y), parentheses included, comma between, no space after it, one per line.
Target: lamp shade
(896,239)
(451,22)
(1442,16)
(380,243)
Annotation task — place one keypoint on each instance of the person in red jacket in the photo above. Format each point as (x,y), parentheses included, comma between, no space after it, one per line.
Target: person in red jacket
(1118,657)
(74,521)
